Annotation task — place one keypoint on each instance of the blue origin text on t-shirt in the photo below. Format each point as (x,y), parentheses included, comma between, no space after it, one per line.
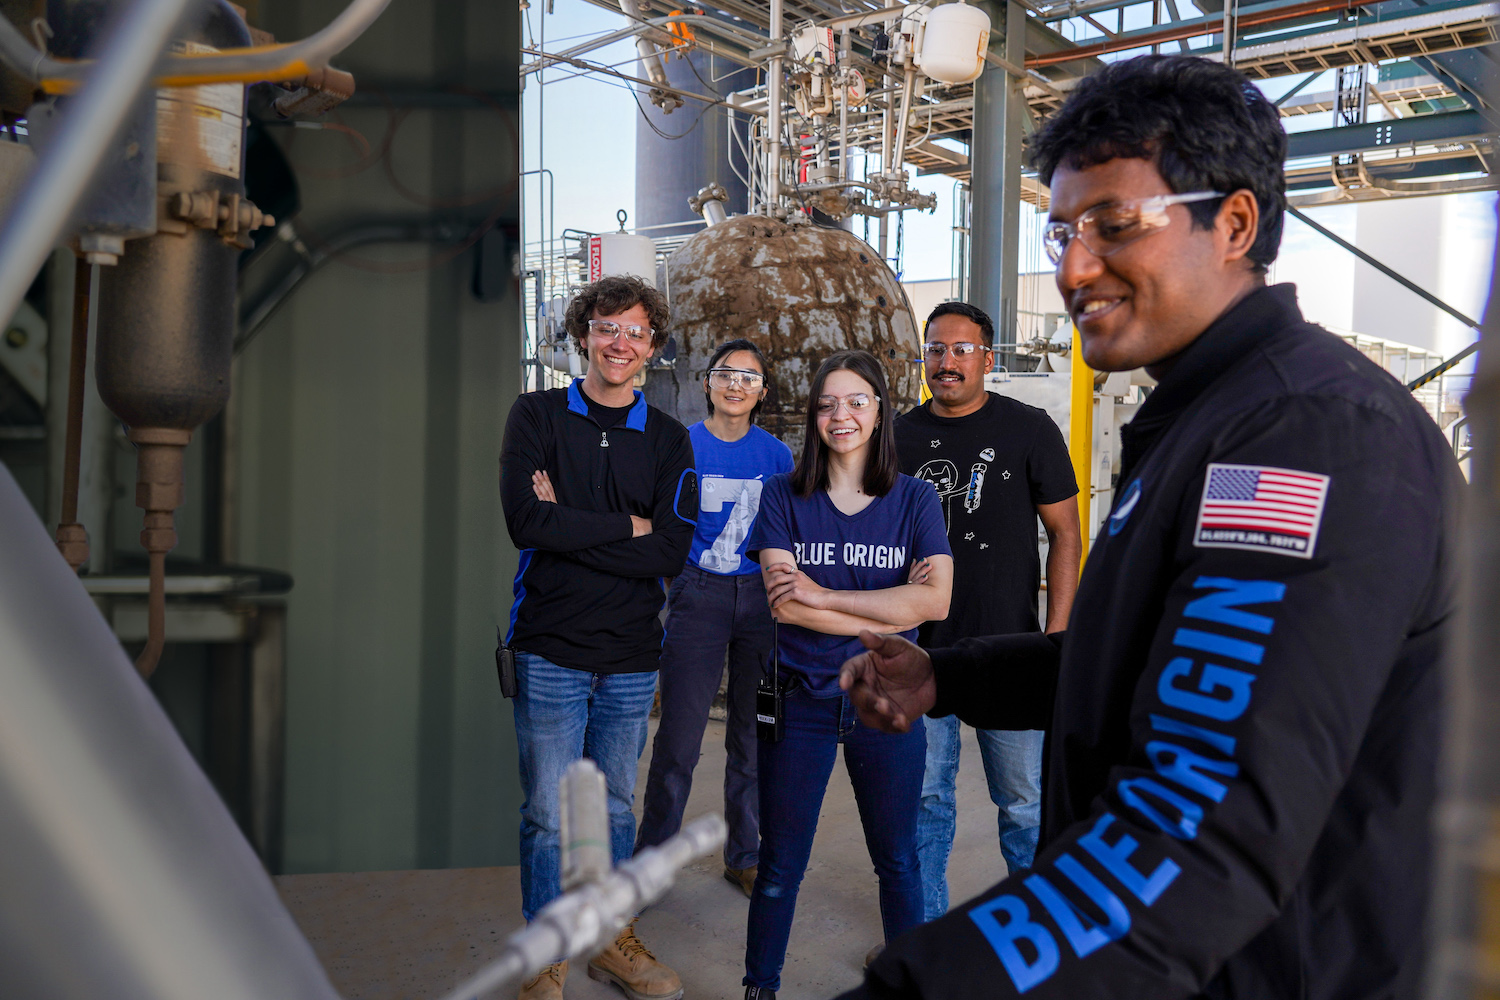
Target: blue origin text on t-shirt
(870,550)
(731,475)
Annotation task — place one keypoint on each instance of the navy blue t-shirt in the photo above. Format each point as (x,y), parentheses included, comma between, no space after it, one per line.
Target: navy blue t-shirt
(731,475)
(871,550)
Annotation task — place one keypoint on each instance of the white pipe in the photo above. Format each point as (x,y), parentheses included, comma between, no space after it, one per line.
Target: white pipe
(645,49)
(40,214)
(586,919)
(843,79)
(773,109)
(898,155)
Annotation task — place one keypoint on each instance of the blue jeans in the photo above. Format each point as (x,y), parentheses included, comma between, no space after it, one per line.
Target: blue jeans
(886,771)
(561,715)
(709,613)
(1013,769)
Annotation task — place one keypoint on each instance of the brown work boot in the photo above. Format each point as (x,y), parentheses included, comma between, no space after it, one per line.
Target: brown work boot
(630,965)
(742,877)
(545,985)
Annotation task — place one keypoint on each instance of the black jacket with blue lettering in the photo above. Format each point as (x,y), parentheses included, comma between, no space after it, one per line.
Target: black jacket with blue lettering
(587,594)
(1242,736)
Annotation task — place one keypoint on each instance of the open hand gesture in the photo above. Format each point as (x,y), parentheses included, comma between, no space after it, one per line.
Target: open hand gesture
(891,683)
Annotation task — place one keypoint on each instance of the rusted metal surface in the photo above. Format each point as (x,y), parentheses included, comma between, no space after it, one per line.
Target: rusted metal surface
(800,292)
(158,492)
(72,539)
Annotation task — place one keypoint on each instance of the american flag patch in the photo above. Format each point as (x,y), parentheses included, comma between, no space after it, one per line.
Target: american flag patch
(1262,509)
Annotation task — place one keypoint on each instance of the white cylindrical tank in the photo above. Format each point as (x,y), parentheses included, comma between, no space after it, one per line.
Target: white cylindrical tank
(622,253)
(953,43)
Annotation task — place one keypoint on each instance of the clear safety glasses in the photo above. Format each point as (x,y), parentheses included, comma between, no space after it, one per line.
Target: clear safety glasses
(1109,229)
(727,378)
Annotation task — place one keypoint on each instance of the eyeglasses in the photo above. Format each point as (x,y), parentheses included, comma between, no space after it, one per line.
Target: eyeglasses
(855,403)
(1109,229)
(935,352)
(609,331)
(724,378)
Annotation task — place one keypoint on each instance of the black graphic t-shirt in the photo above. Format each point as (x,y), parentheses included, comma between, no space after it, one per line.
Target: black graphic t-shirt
(991,470)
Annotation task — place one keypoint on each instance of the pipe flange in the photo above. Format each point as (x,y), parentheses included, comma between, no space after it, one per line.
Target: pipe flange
(713,192)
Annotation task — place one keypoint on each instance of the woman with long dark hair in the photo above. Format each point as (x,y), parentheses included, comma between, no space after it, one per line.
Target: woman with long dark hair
(718,604)
(835,540)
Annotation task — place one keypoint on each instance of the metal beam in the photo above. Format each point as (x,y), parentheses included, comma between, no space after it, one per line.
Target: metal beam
(1400,279)
(1249,17)
(1451,126)
(995,160)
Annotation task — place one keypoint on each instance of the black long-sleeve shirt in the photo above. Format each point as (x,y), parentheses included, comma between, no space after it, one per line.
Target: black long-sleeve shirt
(1243,717)
(587,594)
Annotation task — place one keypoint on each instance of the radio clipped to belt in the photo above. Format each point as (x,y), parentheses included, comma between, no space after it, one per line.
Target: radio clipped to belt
(769,716)
(505,665)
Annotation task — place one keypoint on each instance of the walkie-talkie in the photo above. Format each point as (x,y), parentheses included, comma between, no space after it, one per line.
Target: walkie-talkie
(768,708)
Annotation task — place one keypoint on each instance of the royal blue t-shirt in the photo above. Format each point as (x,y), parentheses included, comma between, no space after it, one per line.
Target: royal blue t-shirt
(731,475)
(871,550)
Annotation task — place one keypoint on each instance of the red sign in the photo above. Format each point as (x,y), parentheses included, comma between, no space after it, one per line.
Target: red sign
(596,258)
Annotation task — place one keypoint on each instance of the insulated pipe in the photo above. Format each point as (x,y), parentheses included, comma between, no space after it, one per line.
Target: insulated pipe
(250,65)
(125,876)
(645,49)
(40,212)
(898,154)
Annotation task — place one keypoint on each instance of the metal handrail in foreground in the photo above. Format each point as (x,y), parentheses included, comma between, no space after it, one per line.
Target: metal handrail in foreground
(584,920)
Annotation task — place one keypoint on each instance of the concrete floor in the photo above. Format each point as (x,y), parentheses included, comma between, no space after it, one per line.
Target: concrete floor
(413,935)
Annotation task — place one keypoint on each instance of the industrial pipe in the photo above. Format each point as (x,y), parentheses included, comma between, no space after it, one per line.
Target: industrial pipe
(125,876)
(40,212)
(586,919)
(72,539)
(645,49)
(773,116)
(239,65)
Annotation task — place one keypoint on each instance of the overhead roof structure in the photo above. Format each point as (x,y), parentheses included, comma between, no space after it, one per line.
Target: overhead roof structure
(1430,117)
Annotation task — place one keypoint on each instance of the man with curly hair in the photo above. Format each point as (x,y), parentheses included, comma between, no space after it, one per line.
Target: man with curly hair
(601,498)
(1243,715)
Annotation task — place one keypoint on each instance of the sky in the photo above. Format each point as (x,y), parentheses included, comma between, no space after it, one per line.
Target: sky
(582,129)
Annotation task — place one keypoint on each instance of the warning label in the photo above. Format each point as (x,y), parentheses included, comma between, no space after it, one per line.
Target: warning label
(201,126)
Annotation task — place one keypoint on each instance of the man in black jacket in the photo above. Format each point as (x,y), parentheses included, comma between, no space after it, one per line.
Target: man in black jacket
(600,496)
(1242,718)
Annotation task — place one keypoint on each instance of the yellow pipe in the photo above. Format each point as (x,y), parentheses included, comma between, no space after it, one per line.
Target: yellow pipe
(1081,440)
(291,71)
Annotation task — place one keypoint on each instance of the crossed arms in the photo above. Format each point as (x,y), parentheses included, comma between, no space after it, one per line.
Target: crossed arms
(618,543)
(797,600)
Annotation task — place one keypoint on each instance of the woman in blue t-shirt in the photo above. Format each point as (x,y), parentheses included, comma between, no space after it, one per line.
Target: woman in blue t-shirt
(717,603)
(834,540)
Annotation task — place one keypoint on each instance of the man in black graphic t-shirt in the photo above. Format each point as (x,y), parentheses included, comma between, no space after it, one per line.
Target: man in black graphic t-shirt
(997,465)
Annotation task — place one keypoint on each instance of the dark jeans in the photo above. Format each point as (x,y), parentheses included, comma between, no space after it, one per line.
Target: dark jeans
(886,771)
(708,612)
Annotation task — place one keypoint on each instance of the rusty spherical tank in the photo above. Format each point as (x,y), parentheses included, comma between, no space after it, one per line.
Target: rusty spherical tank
(800,293)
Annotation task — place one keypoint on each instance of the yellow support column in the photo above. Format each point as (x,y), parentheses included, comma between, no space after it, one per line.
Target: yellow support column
(1081,440)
